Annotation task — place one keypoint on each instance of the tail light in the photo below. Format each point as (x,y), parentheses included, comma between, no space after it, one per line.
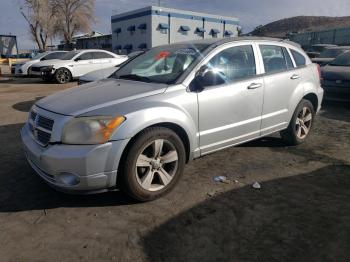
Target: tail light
(319,72)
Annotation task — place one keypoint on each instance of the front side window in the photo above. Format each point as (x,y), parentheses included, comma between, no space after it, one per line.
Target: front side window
(234,63)
(86,56)
(164,64)
(55,55)
(274,58)
(298,58)
(70,55)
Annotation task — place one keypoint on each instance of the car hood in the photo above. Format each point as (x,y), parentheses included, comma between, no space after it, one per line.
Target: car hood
(92,96)
(98,74)
(50,62)
(336,72)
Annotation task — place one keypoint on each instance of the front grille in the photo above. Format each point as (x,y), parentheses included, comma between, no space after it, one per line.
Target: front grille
(41,128)
(45,123)
(43,137)
(35,69)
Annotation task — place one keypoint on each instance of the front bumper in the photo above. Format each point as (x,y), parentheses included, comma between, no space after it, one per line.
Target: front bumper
(90,168)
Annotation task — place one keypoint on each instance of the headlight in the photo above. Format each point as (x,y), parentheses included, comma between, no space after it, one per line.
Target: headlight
(90,130)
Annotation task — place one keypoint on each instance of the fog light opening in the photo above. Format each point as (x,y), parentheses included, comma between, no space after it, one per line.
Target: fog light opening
(67,179)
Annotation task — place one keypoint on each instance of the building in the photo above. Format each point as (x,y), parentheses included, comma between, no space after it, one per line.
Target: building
(95,42)
(81,37)
(337,36)
(153,26)
(8,46)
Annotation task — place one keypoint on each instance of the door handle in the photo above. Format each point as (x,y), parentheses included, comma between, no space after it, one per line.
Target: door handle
(254,86)
(294,77)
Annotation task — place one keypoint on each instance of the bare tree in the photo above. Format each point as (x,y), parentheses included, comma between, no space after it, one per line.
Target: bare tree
(74,16)
(41,21)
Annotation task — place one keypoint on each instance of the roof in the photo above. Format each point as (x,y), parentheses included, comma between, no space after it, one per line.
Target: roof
(216,42)
(338,47)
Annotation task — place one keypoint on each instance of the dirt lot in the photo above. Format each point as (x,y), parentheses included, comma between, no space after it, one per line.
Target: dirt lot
(301,213)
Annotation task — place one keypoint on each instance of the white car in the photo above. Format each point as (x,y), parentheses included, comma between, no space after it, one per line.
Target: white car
(75,64)
(23,68)
(106,72)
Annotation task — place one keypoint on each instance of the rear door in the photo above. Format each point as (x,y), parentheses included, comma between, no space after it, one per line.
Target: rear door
(281,80)
(103,59)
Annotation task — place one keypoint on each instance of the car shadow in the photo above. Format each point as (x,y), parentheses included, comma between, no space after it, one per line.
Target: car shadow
(336,111)
(21,189)
(25,106)
(298,218)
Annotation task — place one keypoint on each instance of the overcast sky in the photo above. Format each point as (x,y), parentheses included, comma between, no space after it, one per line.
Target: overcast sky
(250,12)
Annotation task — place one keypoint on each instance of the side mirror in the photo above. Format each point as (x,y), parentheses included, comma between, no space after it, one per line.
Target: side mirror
(43,59)
(77,59)
(206,77)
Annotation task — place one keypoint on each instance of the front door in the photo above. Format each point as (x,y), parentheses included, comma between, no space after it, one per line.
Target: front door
(231,113)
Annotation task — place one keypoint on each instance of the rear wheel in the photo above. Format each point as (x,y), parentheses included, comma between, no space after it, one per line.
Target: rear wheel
(62,76)
(153,164)
(300,126)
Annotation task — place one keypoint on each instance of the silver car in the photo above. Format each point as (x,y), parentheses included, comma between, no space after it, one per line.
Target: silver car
(136,130)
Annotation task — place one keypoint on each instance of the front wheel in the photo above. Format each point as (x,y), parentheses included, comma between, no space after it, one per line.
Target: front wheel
(300,126)
(153,164)
(62,76)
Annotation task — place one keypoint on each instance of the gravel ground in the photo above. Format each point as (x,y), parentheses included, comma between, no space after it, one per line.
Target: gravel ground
(301,212)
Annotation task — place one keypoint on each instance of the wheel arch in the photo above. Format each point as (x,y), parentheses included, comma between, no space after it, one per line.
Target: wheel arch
(312,97)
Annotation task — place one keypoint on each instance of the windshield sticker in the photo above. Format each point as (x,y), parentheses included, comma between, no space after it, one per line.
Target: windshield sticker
(162,54)
(186,51)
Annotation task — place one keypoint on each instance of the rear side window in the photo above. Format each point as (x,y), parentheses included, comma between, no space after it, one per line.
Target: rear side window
(101,55)
(298,58)
(275,59)
(235,63)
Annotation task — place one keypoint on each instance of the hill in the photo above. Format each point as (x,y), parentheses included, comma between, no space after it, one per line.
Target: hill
(301,24)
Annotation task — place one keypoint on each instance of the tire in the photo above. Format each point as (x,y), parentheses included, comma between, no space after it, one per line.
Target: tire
(301,124)
(147,174)
(62,76)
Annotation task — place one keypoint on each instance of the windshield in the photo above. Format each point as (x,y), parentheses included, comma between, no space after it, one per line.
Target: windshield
(330,53)
(69,55)
(164,64)
(38,56)
(342,60)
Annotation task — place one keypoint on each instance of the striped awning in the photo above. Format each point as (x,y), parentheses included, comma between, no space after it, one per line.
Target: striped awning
(128,47)
(142,26)
(163,26)
(185,28)
(132,28)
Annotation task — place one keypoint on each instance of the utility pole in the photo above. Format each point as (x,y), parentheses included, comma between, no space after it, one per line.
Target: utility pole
(159,3)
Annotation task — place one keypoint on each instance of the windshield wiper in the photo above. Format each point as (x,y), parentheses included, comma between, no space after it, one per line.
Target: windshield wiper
(136,78)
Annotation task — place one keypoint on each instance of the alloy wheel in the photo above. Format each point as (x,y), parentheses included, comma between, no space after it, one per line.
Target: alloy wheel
(156,165)
(303,123)
(63,76)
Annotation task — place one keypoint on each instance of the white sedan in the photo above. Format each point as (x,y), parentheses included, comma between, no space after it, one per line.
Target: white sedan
(23,68)
(75,64)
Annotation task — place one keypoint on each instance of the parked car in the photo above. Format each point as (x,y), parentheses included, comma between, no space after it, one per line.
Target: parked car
(317,49)
(138,129)
(75,64)
(106,72)
(329,54)
(22,68)
(336,78)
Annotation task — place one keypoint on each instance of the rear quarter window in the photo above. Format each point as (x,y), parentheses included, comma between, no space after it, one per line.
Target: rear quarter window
(299,59)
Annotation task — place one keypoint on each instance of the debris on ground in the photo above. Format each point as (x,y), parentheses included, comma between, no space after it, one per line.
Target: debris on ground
(256,185)
(211,193)
(222,179)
